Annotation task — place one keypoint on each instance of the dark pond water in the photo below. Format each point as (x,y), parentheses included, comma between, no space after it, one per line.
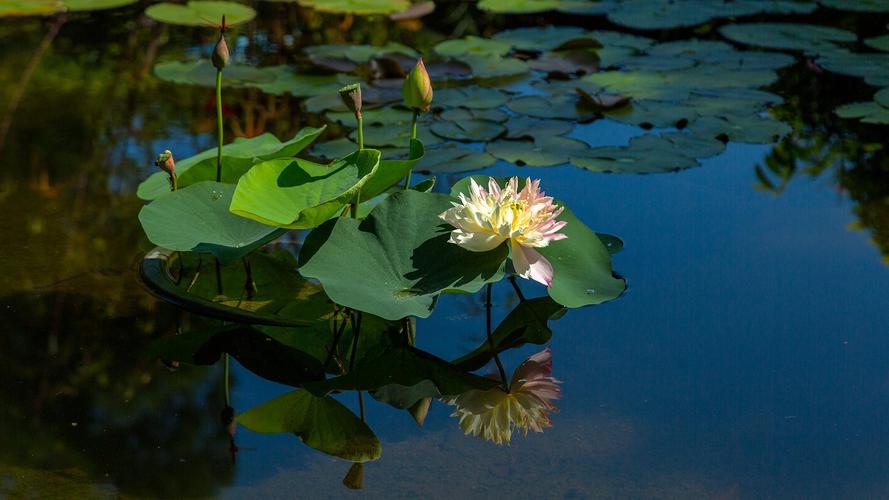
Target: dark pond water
(748,357)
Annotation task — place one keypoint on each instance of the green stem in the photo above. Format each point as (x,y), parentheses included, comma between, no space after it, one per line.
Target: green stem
(218,276)
(360,131)
(491,338)
(515,286)
(355,319)
(407,180)
(249,284)
(336,340)
(219,125)
(228,400)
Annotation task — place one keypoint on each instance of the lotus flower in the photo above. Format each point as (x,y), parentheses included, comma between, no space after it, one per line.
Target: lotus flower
(488,217)
(494,414)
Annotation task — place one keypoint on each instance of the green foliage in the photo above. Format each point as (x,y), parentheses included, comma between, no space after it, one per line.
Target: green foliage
(396,262)
(299,194)
(321,423)
(201,13)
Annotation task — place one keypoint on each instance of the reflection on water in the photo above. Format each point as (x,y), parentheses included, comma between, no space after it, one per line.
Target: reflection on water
(746,360)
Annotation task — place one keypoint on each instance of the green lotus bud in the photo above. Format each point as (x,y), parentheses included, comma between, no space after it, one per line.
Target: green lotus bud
(220,55)
(417,88)
(351,96)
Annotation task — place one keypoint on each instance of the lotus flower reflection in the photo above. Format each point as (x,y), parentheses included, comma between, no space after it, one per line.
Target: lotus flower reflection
(494,413)
(527,218)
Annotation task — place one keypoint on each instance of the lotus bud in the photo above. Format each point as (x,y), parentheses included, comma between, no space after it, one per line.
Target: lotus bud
(417,88)
(351,96)
(354,479)
(220,55)
(166,163)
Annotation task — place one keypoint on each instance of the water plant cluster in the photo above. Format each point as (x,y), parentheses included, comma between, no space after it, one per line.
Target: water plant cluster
(378,251)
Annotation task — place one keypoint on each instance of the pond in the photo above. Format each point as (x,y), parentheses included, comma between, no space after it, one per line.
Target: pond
(715,322)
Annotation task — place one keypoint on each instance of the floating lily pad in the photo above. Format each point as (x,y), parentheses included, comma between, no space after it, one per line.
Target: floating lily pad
(519,6)
(394,136)
(574,62)
(878,42)
(30,7)
(876,111)
(359,53)
(471,130)
(360,7)
(873,67)
(200,13)
(563,107)
(91,5)
(197,219)
(857,5)
(237,158)
(810,38)
(202,73)
(543,152)
(472,45)
(460,114)
(522,126)
(300,194)
(336,148)
(491,66)
(321,423)
(667,152)
(451,158)
(386,116)
(398,260)
(649,114)
(543,38)
(474,97)
(287,81)
(667,14)
(750,128)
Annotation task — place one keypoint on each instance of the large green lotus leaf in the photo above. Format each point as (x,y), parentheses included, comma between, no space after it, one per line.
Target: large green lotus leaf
(256,351)
(857,5)
(737,60)
(359,53)
(749,128)
(543,152)
(562,107)
(527,323)
(360,7)
(451,158)
(299,194)
(237,158)
(656,63)
(541,38)
(391,172)
(398,260)
(878,42)
(470,130)
(321,423)
(650,114)
(810,38)
(89,5)
(201,72)
(30,7)
(721,101)
(873,67)
(156,276)
(196,219)
(581,266)
(677,85)
(405,366)
(472,45)
(394,136)
(471,97)
(521,126)
(620,39)
(200,13)
(286,81)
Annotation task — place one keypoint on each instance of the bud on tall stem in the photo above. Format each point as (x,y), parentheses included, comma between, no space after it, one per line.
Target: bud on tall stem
(417,94)
(351,96)
(166,163)
(220,56)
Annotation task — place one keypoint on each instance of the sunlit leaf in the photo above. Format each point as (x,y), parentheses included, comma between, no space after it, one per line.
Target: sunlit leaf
(200,13)
(543,152)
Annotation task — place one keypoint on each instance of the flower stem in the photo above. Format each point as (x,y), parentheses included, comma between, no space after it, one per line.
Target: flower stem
(360,131)
(355,320)
(225,361)
(249,284)
(407,180)
(491,339)
(219,125)
(515,286)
